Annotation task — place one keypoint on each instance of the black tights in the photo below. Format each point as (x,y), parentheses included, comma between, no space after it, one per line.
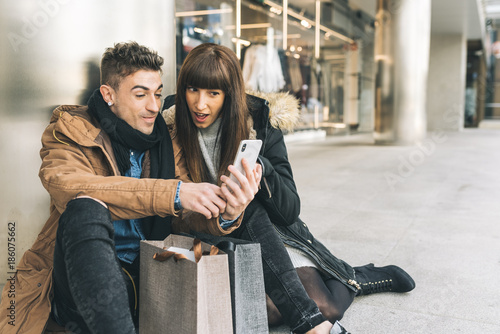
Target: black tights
(332,297)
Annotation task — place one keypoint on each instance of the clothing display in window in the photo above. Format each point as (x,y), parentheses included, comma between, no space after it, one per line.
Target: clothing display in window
(285,70)
(262,69)
(295,74)
(316,86)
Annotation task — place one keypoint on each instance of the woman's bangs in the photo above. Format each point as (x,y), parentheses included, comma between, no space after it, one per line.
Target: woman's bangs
(207,75)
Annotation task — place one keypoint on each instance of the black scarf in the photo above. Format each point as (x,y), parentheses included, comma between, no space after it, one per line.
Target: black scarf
(123,138)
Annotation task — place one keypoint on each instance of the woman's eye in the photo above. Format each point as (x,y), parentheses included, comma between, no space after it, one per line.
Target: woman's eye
(192,89)
(140,95)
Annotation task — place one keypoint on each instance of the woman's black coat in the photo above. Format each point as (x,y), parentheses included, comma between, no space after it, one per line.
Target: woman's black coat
(279,195)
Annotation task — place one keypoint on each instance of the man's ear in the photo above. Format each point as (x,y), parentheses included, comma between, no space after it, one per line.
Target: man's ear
(108,94)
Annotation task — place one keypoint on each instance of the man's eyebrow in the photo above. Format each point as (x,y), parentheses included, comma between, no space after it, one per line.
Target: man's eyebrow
(144,87)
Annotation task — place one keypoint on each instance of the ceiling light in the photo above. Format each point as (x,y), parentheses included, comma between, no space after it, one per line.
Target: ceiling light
(200,31)
(275,10)
(301,17)
(204,12)
(306,24)
(241,41)
(251,26)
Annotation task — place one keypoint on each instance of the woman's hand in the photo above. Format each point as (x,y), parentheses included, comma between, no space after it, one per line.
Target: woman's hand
(237,198)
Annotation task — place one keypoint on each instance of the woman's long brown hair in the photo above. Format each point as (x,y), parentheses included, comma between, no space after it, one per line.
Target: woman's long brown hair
(212,66)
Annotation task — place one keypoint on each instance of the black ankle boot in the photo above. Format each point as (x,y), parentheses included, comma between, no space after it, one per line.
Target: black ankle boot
(382,279)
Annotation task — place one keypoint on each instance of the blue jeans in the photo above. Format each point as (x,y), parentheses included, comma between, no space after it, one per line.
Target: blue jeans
(281,281)
(90,294)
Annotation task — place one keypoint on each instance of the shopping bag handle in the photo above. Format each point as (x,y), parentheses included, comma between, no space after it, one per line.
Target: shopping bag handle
(177,256)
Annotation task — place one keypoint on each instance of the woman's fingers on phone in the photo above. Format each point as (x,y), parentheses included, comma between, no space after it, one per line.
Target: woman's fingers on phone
(230,195)
(237,174)
(237,197)
(229,182)
(235,205)
(252,178)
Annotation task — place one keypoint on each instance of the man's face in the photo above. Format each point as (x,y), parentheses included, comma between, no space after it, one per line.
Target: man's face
(137,100)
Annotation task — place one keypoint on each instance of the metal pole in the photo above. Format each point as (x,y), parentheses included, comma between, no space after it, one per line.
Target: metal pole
(238,29)
(285,24)
(402,43)
(317,35)
(317,31)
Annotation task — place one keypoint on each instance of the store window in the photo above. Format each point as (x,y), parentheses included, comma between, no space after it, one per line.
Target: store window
(203,22)
(262,56)
(281,54)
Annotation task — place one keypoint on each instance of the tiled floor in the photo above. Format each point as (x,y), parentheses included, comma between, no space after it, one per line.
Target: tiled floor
(433,209)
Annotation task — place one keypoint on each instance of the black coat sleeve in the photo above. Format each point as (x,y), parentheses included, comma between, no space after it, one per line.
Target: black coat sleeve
(278,192)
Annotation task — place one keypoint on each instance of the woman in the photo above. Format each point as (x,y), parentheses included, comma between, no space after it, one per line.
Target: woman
(212,114)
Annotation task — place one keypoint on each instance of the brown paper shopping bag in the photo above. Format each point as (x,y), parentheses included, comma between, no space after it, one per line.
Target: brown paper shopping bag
(178,295)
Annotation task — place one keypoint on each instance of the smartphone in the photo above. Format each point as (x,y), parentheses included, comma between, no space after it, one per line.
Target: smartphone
(248,149)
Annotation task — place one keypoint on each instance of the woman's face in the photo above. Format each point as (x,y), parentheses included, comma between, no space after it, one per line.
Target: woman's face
(204,105)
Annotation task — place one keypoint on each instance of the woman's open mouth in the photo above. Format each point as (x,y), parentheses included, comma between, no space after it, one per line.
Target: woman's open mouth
(200,117)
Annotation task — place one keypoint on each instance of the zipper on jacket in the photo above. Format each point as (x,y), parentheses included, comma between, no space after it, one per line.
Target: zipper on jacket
(267,187)
(347,281)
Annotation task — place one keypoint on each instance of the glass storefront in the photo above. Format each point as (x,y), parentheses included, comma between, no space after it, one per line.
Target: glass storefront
(308,48)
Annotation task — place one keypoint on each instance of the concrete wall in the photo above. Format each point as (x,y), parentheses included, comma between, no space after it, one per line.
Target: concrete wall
(49,55)
(446,82)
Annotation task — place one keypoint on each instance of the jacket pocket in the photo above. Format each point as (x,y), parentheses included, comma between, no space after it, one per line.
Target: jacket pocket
(30,295)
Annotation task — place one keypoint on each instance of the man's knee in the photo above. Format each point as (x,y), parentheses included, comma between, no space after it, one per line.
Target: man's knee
(80,213)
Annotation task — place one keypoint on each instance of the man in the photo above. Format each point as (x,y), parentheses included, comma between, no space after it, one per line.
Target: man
(113,176)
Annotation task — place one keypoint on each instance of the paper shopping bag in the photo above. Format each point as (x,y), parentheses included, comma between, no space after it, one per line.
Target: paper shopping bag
(247,289)
(248,296)
(178,295)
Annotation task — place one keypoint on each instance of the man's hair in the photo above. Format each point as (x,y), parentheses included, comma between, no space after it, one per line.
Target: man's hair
(125,59)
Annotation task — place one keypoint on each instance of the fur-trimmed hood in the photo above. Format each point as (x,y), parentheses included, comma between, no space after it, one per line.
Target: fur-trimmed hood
(284,111)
